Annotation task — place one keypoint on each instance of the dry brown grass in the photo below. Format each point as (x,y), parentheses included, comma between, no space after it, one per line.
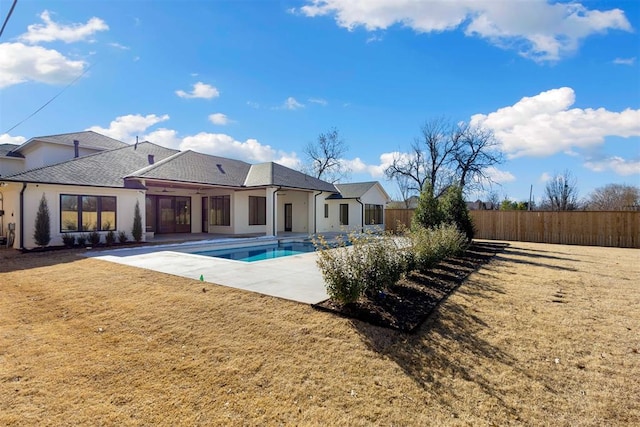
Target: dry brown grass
(83,341)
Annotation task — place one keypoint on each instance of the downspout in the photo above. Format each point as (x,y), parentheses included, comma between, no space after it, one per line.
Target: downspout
(273,214)
(24,187)
(315,212)
(362,215)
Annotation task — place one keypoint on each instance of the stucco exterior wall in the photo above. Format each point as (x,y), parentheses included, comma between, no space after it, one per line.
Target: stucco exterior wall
(375,197)
(300,208)
(240,212)
(125,206)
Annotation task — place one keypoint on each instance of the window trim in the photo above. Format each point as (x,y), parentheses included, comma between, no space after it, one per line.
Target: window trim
(79,211)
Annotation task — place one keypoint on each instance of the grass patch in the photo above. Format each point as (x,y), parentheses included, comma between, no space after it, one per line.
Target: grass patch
(83,340)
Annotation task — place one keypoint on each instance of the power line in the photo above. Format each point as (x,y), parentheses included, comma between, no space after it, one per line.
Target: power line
(8,16)
(52,99)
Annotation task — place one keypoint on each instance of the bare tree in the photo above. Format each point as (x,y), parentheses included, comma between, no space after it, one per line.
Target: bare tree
(325,157)
(561,192)
(614,197)
(405,191)
(447,154)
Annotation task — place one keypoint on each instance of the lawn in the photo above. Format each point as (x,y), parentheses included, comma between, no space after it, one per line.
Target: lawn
(542,334)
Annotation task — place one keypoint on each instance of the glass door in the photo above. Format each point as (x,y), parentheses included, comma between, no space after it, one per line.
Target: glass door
(288,217)
(183,214)
(167,223)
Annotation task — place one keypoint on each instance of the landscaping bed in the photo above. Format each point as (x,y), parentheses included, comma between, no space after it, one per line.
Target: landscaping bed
(405,305)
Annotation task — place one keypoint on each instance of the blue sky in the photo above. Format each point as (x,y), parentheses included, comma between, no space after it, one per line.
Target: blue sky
(557,82)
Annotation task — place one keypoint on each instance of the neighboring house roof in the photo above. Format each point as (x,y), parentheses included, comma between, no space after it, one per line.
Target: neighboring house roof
(356,190)
(87,139)
(7,150)
(190,166)
(103,169)
(266,174)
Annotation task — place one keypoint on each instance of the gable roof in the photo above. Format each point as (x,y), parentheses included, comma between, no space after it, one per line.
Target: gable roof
(193,167)
(103,169)
(355,190)
(87,139)
(265,174)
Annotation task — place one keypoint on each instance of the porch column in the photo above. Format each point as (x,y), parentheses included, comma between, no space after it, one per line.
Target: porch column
(272,212)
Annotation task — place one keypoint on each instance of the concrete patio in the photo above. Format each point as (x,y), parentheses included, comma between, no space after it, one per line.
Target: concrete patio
(295,277)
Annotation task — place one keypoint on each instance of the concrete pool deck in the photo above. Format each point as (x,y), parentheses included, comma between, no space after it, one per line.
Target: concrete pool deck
(294,277)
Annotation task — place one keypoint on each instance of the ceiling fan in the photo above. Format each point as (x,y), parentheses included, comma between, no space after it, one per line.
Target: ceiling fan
(164,190)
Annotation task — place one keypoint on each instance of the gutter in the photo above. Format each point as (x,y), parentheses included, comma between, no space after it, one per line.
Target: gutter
(24,187)
(315,212)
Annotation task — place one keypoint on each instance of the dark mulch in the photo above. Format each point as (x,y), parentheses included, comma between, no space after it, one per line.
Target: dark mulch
(406,305)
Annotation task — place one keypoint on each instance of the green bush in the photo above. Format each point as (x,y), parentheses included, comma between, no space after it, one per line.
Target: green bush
(42,232)
(122,237)
(81,239)
(69,240)
(94,238)
(136,232)
(454,210)
(427,213)
(361,263)
(429,246)
(110,237)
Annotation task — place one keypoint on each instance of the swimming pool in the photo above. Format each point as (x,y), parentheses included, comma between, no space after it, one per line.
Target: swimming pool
(260,253)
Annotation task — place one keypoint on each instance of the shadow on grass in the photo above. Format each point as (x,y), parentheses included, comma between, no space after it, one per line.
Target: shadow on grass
(449,346)
(14,260)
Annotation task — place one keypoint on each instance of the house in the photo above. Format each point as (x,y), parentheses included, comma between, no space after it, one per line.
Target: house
(93,182)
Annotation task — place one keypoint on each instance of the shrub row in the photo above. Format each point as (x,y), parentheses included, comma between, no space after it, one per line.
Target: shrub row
(368,263)
(94,238)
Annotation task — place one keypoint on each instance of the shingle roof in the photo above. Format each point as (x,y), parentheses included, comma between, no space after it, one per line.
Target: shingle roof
(103,169)
(275,174)
(354,190)
(6,150)
(87,139)
(190,166)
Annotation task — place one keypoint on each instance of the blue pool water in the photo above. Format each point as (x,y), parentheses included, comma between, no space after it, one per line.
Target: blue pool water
(261,253)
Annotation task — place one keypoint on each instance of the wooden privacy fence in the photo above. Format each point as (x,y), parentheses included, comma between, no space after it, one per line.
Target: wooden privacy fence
(590,228)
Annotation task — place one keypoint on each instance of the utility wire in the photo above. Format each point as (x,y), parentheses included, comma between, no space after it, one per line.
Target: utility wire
(8,16)
(52,99)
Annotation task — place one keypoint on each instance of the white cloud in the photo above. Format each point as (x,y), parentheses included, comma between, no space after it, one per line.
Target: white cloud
(253,104)
(616,164)
(498,176)
(219,119)
(125,128)
(546,176)
(165,137)
(544,125)
(538,29)
(625,61)
(200,90)
(5,138)
(21,63)
(319,101)
(220,144)
(51,31)
(119,46)
(291,104)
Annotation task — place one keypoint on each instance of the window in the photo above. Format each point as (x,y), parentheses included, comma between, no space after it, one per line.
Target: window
(326,210)
(373,214)
(344,214)
(257,210)
(221,210)
(87,213)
